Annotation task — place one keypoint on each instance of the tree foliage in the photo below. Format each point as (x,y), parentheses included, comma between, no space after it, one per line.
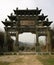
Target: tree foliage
(9,41)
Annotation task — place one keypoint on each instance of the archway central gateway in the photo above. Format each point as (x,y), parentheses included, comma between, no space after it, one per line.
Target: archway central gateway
(27,21)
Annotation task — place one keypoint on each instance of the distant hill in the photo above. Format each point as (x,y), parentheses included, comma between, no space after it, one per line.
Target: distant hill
(25,44)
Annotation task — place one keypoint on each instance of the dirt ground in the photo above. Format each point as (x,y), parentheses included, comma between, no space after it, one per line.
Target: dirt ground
(21,59)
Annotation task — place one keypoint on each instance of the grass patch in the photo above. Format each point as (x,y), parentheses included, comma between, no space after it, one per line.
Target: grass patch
(4,63)
(46,59)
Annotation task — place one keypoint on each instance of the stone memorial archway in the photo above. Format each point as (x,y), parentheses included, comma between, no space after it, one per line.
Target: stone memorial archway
(28,21)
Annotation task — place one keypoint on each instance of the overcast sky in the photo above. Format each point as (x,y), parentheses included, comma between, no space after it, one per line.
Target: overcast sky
(7,6)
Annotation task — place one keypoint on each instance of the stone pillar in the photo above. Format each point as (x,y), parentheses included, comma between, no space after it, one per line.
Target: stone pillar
(37,46)
(16,42)
(37,43)
(17,34)
(36,38)
(46,44)
(5,46)
(49,40)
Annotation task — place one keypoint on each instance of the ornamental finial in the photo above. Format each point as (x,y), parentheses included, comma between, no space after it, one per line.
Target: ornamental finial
(5,20)
(26,8)
(17,8)
(36,8)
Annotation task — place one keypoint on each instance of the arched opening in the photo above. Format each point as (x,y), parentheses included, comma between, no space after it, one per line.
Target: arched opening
(27,42)
(43,43)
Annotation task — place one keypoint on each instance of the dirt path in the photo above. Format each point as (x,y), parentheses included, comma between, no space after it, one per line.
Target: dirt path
(21,60)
